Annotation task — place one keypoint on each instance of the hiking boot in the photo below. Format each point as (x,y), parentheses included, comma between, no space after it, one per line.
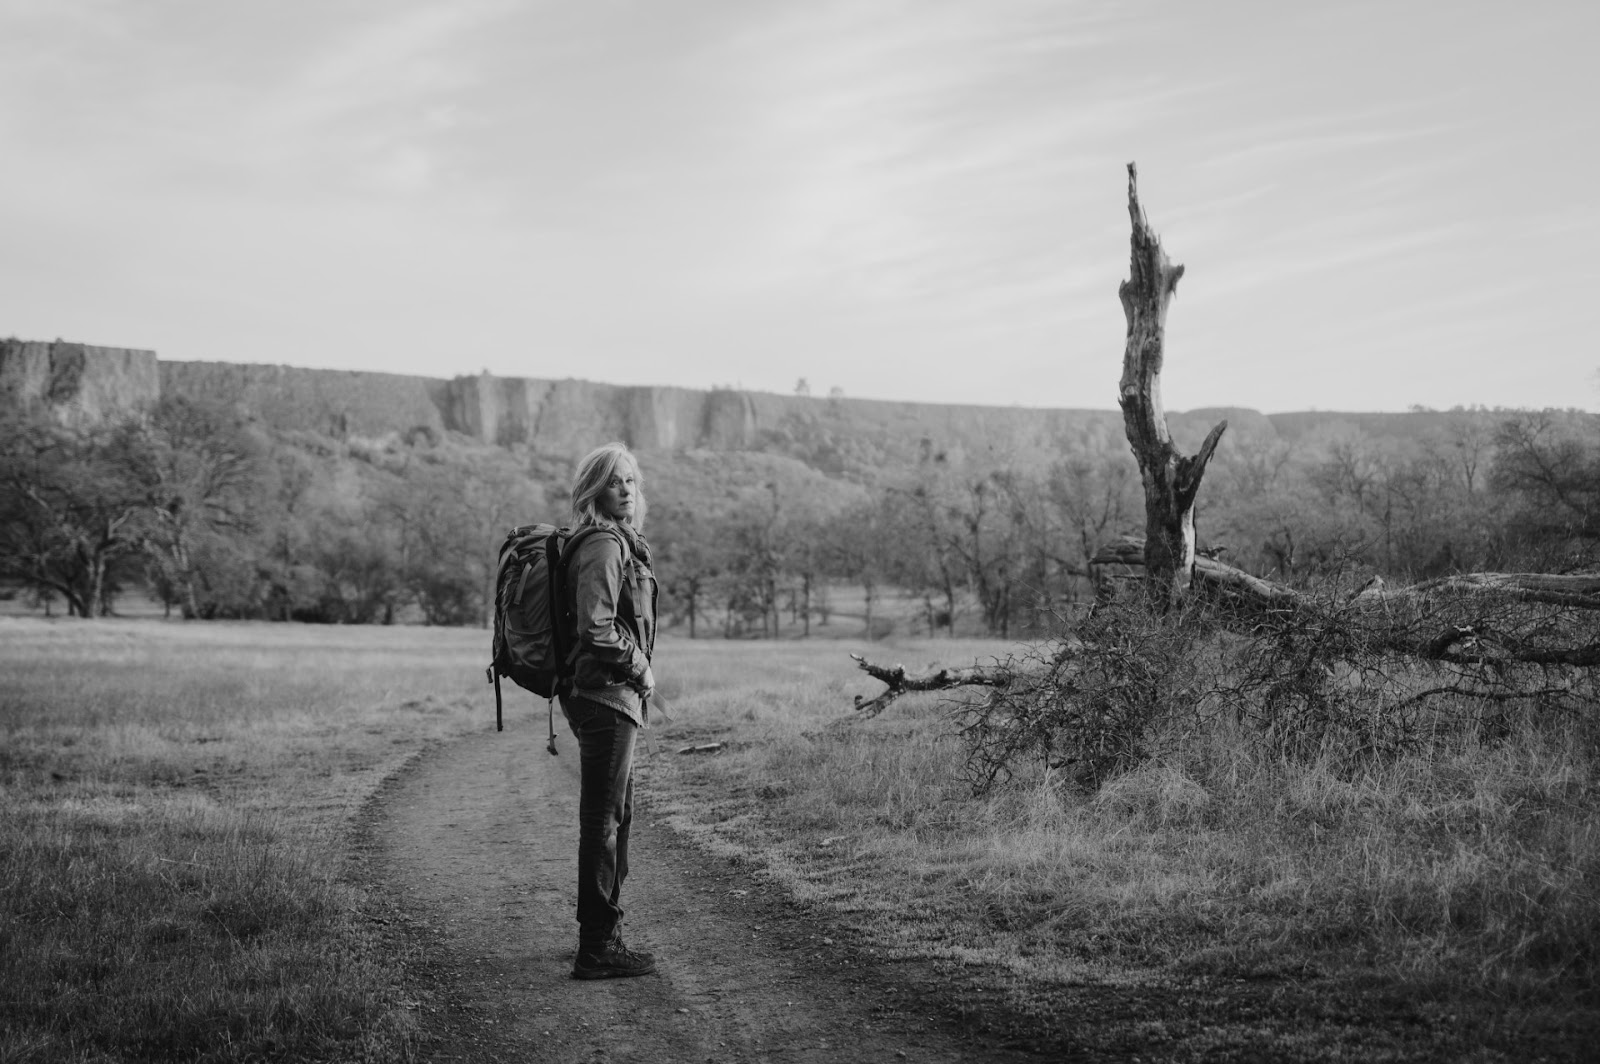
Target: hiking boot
(612,961)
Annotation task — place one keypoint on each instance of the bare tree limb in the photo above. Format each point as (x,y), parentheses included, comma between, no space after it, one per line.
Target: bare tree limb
(1579,591)
(897,682)
(1460,643)
(1571,591)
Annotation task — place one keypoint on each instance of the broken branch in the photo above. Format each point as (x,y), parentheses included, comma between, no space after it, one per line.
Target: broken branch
(897,682)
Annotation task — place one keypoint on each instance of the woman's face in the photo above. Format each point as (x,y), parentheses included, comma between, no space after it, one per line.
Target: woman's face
(617,498)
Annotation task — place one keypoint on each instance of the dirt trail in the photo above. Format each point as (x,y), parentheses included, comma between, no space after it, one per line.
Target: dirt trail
(475,846)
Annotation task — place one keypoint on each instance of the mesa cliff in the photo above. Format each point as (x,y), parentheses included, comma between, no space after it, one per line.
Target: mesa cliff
(80,385)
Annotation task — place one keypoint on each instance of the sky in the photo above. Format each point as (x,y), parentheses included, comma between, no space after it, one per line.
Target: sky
(1378,205)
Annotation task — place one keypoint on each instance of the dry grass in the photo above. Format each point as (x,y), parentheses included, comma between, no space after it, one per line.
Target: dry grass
(1466,875)
(174,802)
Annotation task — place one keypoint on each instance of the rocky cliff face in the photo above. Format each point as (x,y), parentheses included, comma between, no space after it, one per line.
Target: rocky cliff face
(77,384)
(573,415)
(83,385)
(569,415)
(563,416)
(335,402)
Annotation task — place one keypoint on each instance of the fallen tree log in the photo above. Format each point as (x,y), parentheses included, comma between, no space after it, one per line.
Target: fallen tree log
(1469,619)
(1569,590)
(1579,591)
(1469,612)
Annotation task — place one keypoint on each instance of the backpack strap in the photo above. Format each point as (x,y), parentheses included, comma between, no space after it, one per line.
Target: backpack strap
(509,554)
(558,585)
(559,558)
(577,537)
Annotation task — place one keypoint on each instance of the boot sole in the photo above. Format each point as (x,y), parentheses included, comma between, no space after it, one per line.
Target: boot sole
(611,973)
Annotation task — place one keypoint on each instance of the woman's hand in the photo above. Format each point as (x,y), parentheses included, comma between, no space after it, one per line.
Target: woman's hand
(646,684)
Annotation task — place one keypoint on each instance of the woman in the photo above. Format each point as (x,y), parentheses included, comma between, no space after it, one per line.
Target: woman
(613,597)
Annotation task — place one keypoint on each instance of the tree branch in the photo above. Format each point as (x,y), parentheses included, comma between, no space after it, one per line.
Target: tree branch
(897,682)
(1190,470)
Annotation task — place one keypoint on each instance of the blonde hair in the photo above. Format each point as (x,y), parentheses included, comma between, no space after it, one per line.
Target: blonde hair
(594,472)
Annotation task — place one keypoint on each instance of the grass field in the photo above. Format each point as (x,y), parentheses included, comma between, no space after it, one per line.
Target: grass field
(175,801)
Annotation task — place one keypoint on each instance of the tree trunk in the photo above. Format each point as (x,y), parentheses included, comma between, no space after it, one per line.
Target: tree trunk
(94,603)
(1171,481)
(805,612)
(183,563)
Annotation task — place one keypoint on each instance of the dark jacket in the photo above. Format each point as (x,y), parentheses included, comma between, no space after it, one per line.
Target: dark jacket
(614,605)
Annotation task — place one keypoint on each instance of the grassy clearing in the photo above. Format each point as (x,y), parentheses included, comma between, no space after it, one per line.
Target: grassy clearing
(174,805)
(174,802)
(1468,876)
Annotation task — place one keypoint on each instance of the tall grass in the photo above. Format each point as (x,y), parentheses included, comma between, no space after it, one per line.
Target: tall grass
(174,805)
(1469,865)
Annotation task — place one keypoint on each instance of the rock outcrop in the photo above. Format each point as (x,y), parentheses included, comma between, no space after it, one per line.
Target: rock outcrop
(79,385)
(567,414)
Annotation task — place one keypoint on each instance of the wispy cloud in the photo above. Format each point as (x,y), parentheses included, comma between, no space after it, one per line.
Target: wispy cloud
(921,151)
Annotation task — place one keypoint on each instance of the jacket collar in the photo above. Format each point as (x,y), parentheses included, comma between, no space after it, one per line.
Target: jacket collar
(632,537)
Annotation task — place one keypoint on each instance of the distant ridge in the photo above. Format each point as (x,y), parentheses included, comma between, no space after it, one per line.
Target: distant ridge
(81,384)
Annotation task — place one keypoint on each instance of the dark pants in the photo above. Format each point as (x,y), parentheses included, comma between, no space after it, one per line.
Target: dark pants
(605,812)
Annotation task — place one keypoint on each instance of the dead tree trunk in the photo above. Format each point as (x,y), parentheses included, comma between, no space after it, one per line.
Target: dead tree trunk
(1171,481)
(1473,619)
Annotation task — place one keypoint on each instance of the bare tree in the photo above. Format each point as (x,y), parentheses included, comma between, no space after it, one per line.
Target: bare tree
(1092,499)
(1487,622)
(200,472)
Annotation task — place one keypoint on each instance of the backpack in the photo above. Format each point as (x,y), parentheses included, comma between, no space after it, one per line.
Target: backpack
(534,633)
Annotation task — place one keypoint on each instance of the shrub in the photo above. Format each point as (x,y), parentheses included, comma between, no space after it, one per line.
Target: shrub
(1328,680)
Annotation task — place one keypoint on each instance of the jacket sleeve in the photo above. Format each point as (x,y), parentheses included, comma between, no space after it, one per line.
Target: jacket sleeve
(597,577)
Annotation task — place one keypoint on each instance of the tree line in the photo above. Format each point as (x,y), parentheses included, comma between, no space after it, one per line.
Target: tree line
(1002,546)
(219,517)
